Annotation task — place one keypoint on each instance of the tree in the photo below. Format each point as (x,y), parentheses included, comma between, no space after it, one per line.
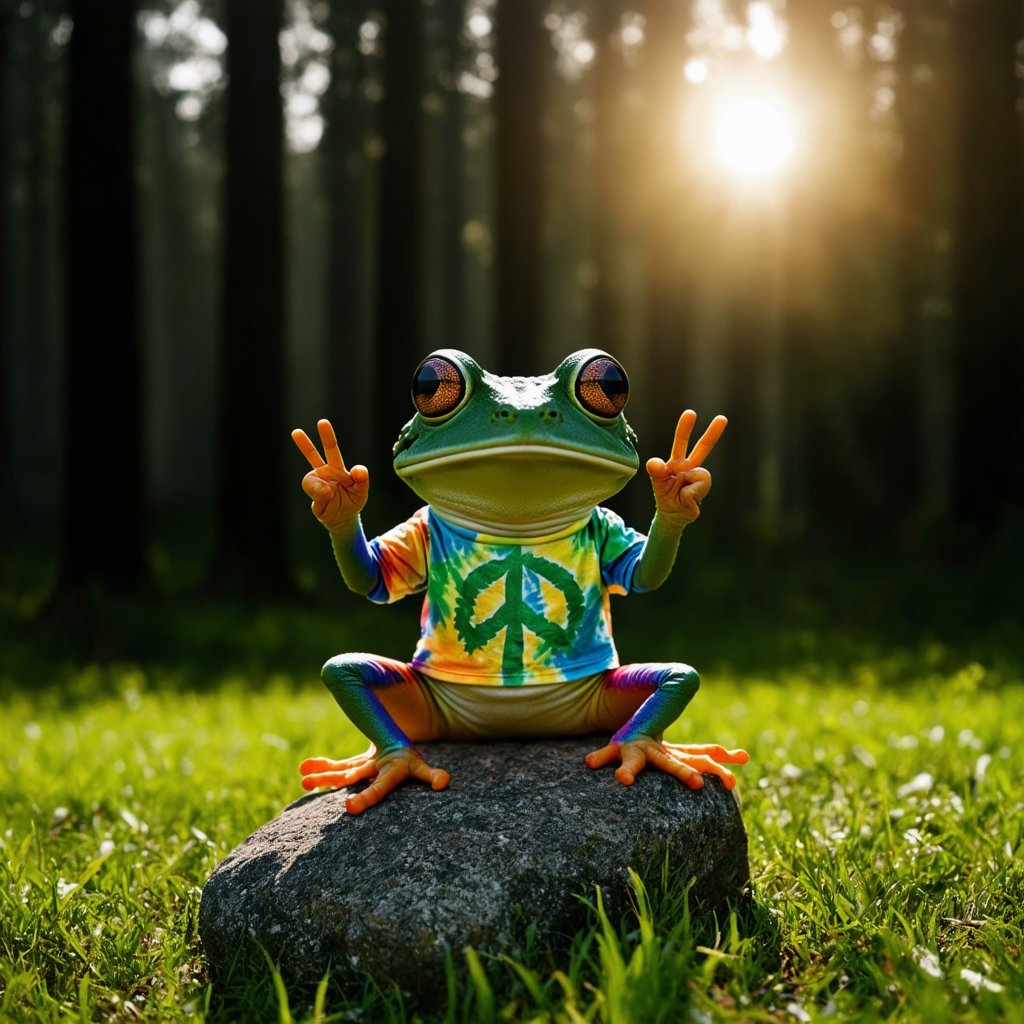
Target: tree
(398,334)
(452,19)
(989,263)
(7,14)
(613,186)
(251,543)
(349,185)
(103,535)
(926,206)
(665,211)
(521,45)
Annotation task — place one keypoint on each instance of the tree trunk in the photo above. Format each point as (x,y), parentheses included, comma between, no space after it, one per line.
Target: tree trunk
(7,499)
(827,406)
(349,189)
(399,333)
(251,543)
(926,206)
(989,288)
(521,49)
(103,535)
(611,187)
(667,202)
(453,182)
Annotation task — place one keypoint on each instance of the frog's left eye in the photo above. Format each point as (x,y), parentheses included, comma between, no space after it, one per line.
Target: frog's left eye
(437,387)
(602,387)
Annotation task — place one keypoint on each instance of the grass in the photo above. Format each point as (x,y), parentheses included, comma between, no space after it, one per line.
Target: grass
(883,804)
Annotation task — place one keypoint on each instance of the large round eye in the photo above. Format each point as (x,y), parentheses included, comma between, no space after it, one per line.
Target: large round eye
(602,387)
(437,387)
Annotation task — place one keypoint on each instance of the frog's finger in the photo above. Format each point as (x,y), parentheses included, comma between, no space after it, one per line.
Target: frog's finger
(437,778)
(633,762)
(599,758)
(313,765)
(386,781)
(657,469)
(303,443)
(682,437)
(345,777)
(316,488)
(710,437)
(723,755)
(705,765)
(330,442)
(682,770)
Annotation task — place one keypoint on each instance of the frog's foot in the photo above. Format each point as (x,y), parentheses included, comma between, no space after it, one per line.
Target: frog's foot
(687,762)
(387,771)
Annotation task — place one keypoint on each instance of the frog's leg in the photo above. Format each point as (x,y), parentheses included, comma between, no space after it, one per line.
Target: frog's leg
(387,702)
(649,698)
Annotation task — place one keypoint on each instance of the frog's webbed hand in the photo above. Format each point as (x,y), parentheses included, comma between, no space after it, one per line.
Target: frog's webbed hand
(682,483)
(387,771)
(687,762)
(337,494)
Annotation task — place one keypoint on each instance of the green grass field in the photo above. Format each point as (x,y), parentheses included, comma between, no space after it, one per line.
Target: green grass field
(883,802)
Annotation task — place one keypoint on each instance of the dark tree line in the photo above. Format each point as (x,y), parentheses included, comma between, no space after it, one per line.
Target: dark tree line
(102,527)
(764,306)
(989,264)
(251,548)
(521,48)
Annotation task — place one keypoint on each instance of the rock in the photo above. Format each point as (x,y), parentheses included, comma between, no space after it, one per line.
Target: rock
(521,832)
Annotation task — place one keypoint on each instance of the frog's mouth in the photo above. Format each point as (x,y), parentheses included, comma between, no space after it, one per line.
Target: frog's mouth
(527,452)
(520,490)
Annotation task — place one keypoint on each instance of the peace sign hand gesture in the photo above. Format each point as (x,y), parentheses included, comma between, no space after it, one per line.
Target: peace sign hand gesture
(337,494)
(682,483)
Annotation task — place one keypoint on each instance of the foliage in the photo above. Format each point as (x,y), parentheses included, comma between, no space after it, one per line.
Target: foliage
(882,805)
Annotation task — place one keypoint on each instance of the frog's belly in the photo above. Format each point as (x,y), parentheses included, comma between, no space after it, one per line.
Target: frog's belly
(468,712)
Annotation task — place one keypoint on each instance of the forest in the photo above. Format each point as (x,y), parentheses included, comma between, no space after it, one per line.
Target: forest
(223,220)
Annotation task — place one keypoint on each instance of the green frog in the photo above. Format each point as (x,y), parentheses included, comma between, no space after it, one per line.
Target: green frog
(516,560)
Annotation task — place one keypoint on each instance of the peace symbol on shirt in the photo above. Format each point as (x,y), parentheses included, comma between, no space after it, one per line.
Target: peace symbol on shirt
(515,611)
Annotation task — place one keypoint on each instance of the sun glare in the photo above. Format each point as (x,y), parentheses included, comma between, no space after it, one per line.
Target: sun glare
(755,137)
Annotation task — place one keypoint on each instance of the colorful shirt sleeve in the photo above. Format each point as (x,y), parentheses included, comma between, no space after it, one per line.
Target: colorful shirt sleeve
(402,557)
(619,548)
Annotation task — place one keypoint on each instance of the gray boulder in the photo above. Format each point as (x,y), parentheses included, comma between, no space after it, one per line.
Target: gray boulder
(521,832)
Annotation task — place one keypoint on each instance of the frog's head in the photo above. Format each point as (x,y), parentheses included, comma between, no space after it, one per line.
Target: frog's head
(517,456)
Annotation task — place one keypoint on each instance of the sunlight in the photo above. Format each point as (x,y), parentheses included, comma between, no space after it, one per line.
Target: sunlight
(755,137)
(766,32)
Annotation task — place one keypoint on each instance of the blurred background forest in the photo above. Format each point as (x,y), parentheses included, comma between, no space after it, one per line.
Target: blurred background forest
(227,218)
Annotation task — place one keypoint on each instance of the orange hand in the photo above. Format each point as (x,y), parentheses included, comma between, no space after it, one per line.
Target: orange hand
(687,762)
(388,772)
(681,484)
(337,493)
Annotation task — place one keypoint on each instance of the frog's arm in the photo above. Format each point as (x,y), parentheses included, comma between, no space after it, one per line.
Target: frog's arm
(359,569)
(387,568)
(658,555)
(680,485)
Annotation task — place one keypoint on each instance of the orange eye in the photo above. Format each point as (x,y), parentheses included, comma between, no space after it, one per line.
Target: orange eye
(437,387)
(602,387)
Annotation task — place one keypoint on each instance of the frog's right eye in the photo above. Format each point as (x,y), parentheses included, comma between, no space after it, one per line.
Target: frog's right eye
(602,387)
(438,387)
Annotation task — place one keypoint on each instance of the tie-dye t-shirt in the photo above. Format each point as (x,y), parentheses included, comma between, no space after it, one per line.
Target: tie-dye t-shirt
(503,612)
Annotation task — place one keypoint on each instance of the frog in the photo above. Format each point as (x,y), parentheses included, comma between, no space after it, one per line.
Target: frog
(516,558)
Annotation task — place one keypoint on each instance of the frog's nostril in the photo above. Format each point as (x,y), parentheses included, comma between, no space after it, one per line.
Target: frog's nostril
(501,416)
(550,416)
